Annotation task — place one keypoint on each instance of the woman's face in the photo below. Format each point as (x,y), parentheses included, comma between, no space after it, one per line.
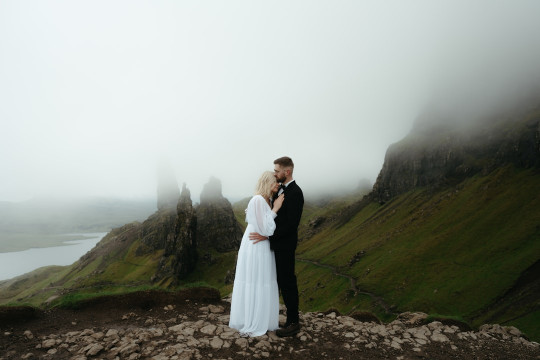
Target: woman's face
(275,187)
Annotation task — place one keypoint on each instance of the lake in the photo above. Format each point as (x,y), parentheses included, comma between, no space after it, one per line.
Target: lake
(17,263)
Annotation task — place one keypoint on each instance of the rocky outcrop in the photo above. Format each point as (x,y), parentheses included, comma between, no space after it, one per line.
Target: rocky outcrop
(180,237)
(201,332)
(180,254)
(217,227)
(156,232)
(437,154)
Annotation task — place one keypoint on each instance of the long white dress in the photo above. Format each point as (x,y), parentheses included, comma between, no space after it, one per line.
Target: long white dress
(255,297)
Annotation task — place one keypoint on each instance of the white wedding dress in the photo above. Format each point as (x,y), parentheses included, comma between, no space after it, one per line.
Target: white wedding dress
(255,297)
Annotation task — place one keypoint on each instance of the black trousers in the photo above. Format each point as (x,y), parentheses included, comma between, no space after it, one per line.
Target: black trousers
(286,279)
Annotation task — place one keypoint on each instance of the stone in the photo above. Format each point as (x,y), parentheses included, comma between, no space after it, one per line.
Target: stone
(93,349)
(98,335)
(112,333)
(513,331)
(263,344)
(439,337)
(78,357)
(177,328)
(208,329)
(215,309)
(332,315)
(379,329)
(47,344)
(129,349)
(216,343)
(242,342)
(28,334)
(192,342)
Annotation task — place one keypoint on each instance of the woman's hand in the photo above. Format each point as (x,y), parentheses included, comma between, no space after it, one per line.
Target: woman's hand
(278,202)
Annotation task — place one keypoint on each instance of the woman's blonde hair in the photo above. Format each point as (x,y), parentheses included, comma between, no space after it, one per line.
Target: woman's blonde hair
(265,184)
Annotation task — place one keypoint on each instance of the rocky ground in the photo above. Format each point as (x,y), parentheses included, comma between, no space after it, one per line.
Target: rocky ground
(162,326)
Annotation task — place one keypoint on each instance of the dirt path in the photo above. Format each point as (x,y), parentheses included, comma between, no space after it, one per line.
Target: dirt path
(377,299)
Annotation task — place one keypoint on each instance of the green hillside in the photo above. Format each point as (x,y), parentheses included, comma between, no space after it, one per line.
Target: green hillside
(112,269)
(455,252)
(469,251)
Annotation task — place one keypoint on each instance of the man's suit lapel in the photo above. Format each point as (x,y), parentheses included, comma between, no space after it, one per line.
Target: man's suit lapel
(290,186)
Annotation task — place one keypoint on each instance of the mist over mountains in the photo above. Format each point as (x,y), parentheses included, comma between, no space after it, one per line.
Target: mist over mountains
(43,222)
(450,227)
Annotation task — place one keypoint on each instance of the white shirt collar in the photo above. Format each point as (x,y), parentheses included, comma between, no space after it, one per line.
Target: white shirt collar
(287,184)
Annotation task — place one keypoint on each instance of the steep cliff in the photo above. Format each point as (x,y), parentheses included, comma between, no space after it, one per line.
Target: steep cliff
(437,153)
(451,227)
(180,255)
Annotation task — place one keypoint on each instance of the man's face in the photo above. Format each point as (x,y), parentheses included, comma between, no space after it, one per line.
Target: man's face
(280,173)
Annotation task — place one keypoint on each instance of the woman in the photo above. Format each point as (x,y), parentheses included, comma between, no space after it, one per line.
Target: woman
(255,297)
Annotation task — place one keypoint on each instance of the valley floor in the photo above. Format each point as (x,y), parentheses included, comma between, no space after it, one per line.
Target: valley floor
(193,325)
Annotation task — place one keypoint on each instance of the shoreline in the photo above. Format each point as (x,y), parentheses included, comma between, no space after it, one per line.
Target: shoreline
(25,241)
(66,252)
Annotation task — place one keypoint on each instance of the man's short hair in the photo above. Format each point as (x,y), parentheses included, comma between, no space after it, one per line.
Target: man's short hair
(285,161)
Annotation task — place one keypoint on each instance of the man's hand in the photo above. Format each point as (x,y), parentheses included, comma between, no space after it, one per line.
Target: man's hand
(256,237)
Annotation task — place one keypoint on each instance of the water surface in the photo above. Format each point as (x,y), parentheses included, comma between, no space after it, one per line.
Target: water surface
(16,263)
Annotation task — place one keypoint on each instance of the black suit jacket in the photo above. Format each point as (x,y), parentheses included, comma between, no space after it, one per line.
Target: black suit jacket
(288,218)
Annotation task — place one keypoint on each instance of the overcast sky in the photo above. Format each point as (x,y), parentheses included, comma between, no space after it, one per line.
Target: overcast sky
(94,94)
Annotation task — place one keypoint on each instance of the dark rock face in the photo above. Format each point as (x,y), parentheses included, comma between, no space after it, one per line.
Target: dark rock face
(185,247)
(435,155)
(157,231)
(174,235)
(217,227)
(174,232)
(180,245)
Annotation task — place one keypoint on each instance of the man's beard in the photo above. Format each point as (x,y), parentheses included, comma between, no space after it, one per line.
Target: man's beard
(281,180)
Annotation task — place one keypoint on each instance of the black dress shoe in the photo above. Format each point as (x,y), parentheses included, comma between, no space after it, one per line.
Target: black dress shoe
(290,330)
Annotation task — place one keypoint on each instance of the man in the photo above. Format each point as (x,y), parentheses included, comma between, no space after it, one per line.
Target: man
(284,242)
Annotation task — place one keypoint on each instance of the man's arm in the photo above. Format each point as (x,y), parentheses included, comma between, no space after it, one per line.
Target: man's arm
(256,237)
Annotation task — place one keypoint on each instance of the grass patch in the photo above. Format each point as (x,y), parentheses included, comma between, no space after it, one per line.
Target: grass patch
(213,270)
(73,300)
(450,252)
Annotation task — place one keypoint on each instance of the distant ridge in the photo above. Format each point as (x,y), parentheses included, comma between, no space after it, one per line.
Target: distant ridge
(452,226)
(435,155)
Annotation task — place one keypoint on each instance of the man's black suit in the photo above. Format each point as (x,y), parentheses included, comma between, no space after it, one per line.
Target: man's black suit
(284,242)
